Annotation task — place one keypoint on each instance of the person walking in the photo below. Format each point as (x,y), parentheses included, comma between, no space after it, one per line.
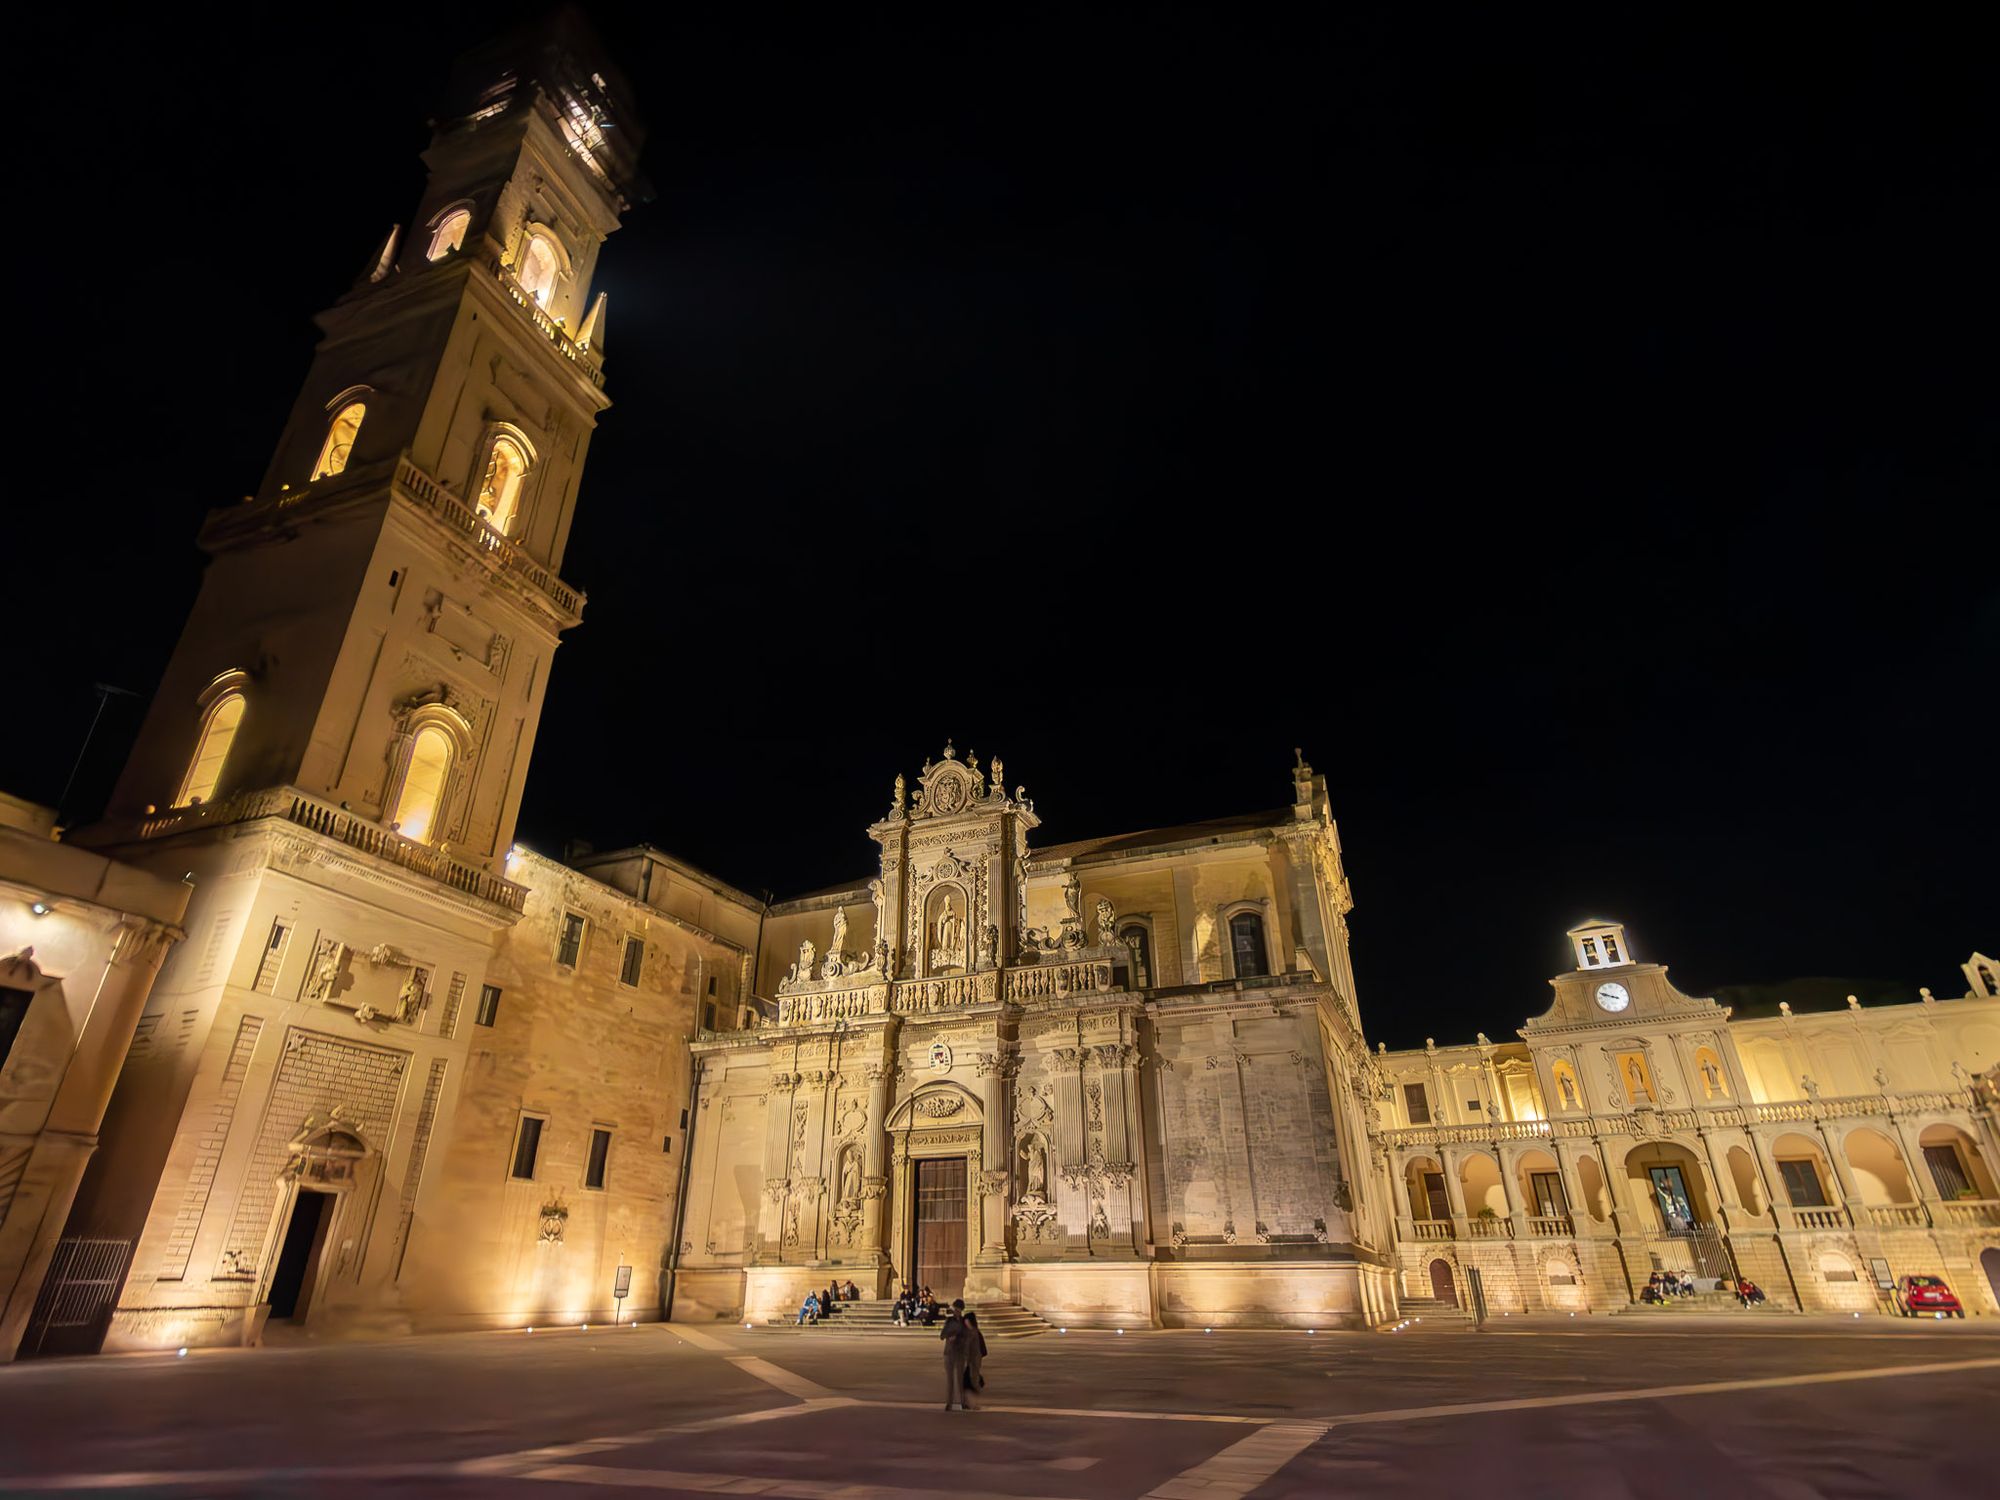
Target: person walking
(957,1340)
(975,1353)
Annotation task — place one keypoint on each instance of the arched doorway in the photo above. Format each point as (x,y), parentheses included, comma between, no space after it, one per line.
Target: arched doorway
(1441,1282)
(1989,1262)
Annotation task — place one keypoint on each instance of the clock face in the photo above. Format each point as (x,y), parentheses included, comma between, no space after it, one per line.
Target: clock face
(1612,997)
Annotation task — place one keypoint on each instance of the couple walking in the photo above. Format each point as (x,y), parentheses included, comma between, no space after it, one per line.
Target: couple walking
(964,1350)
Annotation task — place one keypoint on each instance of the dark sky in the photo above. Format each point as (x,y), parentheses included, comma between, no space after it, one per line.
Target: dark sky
(1577,435)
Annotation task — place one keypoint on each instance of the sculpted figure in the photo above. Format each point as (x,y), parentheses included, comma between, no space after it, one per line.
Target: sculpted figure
(1569,1091)
(950,931)
(1038,1171)
(1107,920)
(850,1178)
(805,966)
(839,944)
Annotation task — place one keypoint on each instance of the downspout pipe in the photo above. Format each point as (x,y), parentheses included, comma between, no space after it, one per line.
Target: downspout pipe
(680,1193)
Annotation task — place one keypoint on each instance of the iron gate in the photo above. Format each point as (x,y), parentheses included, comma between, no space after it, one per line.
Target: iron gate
(77,1296)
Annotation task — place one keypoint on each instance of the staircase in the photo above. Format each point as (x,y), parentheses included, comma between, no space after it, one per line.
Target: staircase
(997,1320)
(1700,1302)
(1438,1316)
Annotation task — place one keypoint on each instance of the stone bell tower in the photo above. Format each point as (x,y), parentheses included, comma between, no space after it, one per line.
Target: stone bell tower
(376,624)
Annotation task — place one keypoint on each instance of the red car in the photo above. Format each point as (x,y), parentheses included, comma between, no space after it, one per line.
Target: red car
(1927,1297)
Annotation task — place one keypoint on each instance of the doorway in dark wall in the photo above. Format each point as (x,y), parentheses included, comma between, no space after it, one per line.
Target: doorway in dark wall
(299,1253)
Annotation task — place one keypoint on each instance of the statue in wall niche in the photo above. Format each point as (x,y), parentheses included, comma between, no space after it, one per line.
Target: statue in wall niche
(325,970)
(989,944)
(950,932)
(850,1178)
(1711,1077)
(1037,1175)
(1634,1072)
(1107,923)
(1568,1089)
(411,1000)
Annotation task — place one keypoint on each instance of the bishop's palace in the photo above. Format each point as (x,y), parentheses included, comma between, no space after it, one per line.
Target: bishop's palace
(295,1037)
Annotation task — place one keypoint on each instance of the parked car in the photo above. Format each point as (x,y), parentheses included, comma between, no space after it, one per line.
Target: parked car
(1926,1297)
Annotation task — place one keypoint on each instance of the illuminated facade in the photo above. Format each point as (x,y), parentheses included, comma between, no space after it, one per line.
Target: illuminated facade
(1112,1080)
(1636,1129)
(396,1074)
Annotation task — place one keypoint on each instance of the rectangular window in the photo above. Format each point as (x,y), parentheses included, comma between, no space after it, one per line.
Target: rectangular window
(1549,1200)
(600,1150)
(570,943)
(1418,1104)
(1435,1199)
(489,1005)
(1802,1184)
(711,984)
(272,959)
(635,961)
(708,1016)
(527,1146)
(1947,1171)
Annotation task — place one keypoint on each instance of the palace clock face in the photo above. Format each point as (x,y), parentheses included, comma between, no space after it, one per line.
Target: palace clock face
(1612,997)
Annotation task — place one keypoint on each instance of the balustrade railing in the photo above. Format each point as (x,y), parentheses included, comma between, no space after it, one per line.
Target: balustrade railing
(1818,1218)
(1058,981)
(1489,1229)
(1967,1212)
(356,832)
(427,493)
(1550,1226)
(567,347)
(1898,1215)
(1430,1229)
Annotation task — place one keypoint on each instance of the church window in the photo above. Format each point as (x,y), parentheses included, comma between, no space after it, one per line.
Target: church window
(600,1152)
(340,436)
(449,234)
(1418,1103)
(539,266)
(1134,936)
(1802,1184)
(421,800)
(527,1146)
(634,962)
(211,750)
(500,488)
(1246,945)
(489,1005)
(569,943)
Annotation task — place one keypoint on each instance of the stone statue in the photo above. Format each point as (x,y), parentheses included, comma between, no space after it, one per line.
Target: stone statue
(989,944)
(950,933)
(999,777)
(1072,891)
(1638,1077)
(839,944)
(882,958)
(326,971)
(850,1178)
(804,970)
(1107,922)
(1711,1077)
(1568,1090)
(1038,1171)
(411,1000)
(901,794)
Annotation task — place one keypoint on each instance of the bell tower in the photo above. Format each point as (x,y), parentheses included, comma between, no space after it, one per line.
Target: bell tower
(376,624)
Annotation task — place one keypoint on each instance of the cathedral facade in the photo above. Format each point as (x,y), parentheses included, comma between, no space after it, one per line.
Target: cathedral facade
(379,1070)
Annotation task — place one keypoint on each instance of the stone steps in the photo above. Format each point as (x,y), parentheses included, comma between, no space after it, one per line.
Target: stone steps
(997,1320)
(1701,1302)
(1437,1315)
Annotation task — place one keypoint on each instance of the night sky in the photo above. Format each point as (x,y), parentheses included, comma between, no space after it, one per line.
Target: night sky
(1577,435)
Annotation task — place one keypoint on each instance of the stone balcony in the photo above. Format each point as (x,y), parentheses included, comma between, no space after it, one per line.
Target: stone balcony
(302,810)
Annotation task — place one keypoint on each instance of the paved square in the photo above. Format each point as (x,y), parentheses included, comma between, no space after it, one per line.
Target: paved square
(1614,1408)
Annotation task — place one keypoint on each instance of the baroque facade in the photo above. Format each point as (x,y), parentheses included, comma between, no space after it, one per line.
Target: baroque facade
(1111,1080)
(377,1069)
(1636,1129)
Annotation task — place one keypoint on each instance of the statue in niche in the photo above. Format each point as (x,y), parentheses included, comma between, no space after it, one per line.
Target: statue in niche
(950,934)
(1036,1177)
(850,1177)
(1637,1075)
(1710,1077)
(1568,1089)
(326,970)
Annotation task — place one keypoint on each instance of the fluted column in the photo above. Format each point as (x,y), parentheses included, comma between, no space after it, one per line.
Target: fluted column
(777,1164)
(874,1151)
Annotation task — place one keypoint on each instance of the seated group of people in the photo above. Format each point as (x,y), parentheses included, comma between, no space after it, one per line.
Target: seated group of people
(1664,1284)
(825,1304)
(915,1308)
(1748,1294)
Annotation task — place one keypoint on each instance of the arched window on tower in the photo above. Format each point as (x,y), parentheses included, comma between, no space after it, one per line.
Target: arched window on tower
(219,724)
(1246,945)
(500,489)
(539,265)
(340,436)
(449,234)
(420,802)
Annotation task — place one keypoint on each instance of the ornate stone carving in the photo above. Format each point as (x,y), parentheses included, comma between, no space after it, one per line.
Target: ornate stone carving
(1107,922)
(323,978)
(554,1221)
(992,1182)
(1094,1093)
(938,1106)
(775,1188)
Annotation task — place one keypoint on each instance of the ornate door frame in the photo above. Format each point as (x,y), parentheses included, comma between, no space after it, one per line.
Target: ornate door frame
(943,1119)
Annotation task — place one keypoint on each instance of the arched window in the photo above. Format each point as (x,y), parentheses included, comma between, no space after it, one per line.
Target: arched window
(421,799)
(1134,936)
(1246,945)
(539,265)
(449,234)
(500,489)
(211,749)
(340,436)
